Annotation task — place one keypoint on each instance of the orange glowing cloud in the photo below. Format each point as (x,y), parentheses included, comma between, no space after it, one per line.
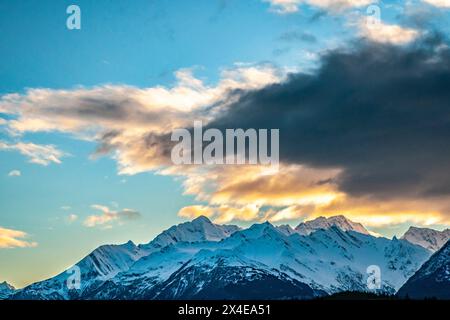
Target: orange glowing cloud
(10,238)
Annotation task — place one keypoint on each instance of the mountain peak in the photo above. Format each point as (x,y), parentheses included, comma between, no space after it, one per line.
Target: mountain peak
(199,229)
(286,229)
(202,220)
(259,229)
(6,286)
(428,238)
(6,290)
(130,244)
(340,221)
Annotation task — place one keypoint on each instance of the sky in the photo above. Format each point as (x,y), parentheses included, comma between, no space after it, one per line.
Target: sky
(85,114)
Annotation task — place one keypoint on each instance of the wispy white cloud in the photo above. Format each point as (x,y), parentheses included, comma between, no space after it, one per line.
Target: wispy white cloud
(14,173)
(38,154)
(127,121)
(291,6)
(439,3)
(387,33)
(10,238)
(108,216)
(72,218)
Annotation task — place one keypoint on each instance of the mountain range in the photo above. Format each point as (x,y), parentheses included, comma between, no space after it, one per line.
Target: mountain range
(203,260)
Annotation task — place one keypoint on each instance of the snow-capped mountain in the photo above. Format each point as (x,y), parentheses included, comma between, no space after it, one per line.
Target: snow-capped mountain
(432,280)
(6,290)
(100,265)
(107,261)
(428,238)
(199,229)
(199,259)
(286,229)
(226,275)
(306,228)
(330,259)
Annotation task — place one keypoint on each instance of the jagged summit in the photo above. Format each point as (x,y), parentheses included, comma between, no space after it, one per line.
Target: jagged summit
(286,229)
(199,229)
(306,228)
(430,239)
(6,285)
(6,290)
(202,219)
(194,258)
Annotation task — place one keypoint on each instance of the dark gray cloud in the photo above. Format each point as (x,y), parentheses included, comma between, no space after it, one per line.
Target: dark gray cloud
(380,112)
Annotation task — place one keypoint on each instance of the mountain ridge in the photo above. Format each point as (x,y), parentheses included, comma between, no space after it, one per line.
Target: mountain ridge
(432,280)
(324,261)
(340,221)
(428,238)
(6,290)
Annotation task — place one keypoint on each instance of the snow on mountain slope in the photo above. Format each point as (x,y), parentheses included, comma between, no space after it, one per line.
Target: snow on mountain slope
(428,238)
(138,282)
(432,280)
(192,259)
(6,290)
(305,228)
(199,229)
(286,229)
(101,264)
(107,261)
(224,275)
(325,261)
(331,260)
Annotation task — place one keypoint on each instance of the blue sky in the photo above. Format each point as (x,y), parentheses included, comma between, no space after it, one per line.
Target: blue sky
(141,44)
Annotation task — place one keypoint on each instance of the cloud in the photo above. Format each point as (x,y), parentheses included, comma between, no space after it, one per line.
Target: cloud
(14,173)
(370,213)
(292,6)
(38,154)
(259,185)
(86,112)
(13,239)
(255,193)
(132,123)
(354,141)
(72,218)
(288,213)
(387,33)
(385,130)
(222,214)
(439,3)
(364,135)
(192,212)
(109,216)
